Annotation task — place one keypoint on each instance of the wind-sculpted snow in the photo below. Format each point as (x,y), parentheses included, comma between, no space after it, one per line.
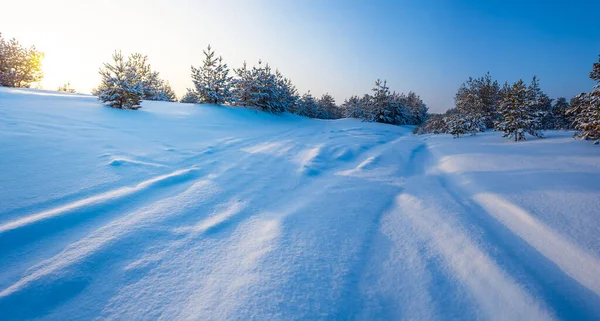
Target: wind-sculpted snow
(195,212)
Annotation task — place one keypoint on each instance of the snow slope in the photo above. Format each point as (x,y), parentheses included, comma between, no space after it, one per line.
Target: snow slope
(180,211)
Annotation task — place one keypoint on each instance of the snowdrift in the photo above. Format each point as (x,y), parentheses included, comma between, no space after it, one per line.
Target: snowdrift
(181,211)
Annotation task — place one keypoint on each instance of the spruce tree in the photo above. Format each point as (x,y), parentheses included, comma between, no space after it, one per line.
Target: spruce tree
(212,80)
(518,113)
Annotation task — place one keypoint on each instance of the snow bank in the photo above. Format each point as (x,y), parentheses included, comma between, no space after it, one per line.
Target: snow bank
(187,211)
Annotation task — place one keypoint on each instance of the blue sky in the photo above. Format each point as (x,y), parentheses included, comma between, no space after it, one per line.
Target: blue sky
(340,47)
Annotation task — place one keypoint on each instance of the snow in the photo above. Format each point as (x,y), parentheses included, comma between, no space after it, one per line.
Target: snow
(182,211)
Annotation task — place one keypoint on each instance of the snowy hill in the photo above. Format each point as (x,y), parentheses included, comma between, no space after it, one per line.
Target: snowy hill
(180,211)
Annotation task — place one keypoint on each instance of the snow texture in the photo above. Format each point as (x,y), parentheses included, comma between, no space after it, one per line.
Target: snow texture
(181,211)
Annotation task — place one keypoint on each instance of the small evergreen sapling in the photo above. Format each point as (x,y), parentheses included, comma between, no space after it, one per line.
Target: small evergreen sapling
(120,86)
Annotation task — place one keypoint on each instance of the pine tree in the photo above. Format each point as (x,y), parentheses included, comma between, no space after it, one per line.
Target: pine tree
(19,66)
(242,85)
(190,97)
(559,114)
(416,109)
(541,103)
(479,98)
(307,106)
(518,113)
(585,109)
(120,86)
(352,107)
(212,80)
(381,111)
(327,109)
(456,125)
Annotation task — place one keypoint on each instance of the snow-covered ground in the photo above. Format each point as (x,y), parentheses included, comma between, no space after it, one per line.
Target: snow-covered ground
(180,211)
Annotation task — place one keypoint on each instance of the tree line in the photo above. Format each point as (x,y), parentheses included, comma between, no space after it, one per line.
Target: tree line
(517,109)
(259,87)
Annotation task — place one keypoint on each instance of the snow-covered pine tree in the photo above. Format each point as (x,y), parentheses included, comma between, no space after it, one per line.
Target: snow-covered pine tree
(559,111)
(212,80)
(541,103)
(435,124)
(262,94)
(400,112)
(518,113)
(120,86)
(479,98)
(286,92)
(307,106)
(416,108)
(585,109)
(456,125)
(242,85)
(190,97)
(380,108)
(260,87)
(352,107)
(474,124)
(327,108)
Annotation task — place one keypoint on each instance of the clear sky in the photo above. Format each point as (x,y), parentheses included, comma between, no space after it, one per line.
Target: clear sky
(340,47)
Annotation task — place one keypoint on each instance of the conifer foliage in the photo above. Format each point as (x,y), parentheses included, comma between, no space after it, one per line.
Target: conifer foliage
(260,87)
(190,97)
(153,87)
(479,98)
(212,80)
(19,66)
(585,109)
(121,85)
(519,112)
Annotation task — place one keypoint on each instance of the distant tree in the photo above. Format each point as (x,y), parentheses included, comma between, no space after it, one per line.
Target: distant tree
(352,107)
(67,88)
(120,86)
(19,66)
(479,98)
(418,111)
(559,114)
(212,80)
(260,87)
(190,97)
(327,109)
(384,106)
(435,124)
(585,109)
(541,103)
(307,106)
(519,114)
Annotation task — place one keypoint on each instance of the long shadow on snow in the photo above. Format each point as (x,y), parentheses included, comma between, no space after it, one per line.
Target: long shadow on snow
(569,299)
